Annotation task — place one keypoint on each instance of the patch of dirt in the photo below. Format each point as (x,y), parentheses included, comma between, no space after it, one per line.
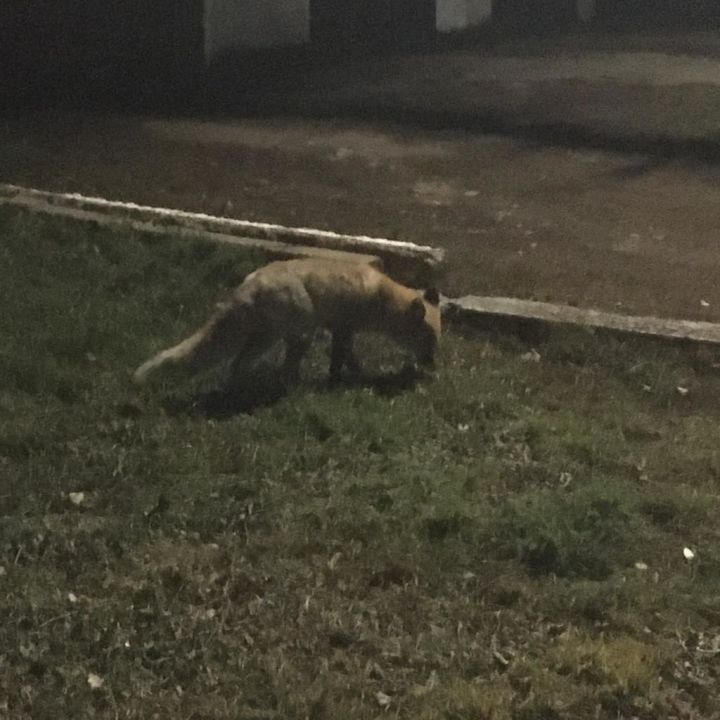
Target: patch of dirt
(340,143)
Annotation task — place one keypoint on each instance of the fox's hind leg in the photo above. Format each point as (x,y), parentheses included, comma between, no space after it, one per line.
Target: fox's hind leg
(255,345)
(258,343)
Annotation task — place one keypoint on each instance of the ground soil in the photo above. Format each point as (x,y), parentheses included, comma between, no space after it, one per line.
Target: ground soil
(561,173)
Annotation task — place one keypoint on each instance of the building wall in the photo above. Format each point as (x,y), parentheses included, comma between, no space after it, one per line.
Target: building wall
(249,24)
(536,17)
(479,11)
(665,14)
(586,11)
(452,15)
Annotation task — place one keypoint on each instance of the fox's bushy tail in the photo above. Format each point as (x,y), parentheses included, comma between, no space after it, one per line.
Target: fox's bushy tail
(218,338)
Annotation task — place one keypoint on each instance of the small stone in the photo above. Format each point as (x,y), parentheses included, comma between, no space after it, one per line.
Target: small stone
(95,681)
(77,498)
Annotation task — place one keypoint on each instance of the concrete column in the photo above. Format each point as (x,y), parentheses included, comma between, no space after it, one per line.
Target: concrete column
(479,11)
(586,11)
(452,15)
(232,25)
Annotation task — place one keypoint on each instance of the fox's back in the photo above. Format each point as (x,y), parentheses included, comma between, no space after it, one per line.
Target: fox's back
(328,290)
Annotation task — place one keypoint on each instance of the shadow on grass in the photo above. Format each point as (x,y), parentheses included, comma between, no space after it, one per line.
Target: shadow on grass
(265,387)
(385,384)
(236,396)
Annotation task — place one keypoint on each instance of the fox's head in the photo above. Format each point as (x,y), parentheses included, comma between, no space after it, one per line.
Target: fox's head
(420,331)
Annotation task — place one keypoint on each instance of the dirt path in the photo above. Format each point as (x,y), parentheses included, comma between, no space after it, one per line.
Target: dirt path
(550,220)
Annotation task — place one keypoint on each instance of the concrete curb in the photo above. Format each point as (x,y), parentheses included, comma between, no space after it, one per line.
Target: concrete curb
(271,248)
(410,263)
(517,315)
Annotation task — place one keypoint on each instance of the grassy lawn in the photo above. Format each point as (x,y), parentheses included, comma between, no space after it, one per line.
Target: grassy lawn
(505,541)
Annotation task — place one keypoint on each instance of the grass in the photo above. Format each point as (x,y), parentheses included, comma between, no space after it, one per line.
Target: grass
(458,549)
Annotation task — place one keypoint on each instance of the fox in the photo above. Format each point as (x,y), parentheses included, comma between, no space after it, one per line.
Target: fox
(290,300)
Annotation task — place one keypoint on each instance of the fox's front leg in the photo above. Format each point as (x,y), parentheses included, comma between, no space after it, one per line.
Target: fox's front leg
(342,355)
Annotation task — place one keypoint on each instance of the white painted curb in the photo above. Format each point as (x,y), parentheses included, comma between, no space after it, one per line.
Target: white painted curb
(404,259)
(494,310)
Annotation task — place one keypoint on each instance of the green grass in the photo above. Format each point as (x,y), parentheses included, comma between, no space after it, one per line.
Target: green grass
(459,549)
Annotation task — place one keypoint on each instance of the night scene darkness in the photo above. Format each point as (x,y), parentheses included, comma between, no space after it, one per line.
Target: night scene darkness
(359,359)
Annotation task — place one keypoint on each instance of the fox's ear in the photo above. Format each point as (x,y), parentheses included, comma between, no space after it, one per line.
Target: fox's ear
(432,296)
(416,310)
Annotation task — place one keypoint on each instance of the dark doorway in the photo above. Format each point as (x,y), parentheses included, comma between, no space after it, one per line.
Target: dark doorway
(535,16)
(108,50)
(143,49)
(375,24)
